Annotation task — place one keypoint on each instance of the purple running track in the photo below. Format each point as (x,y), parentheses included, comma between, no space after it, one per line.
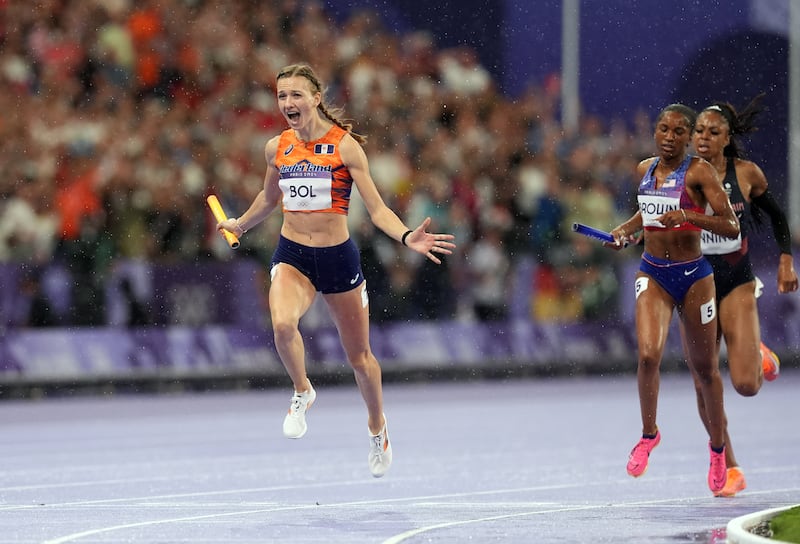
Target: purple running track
(487,461)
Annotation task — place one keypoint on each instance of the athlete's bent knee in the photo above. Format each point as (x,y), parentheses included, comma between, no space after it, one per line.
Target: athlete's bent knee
(649,363)
(747,388)
(363,362)
(284,331)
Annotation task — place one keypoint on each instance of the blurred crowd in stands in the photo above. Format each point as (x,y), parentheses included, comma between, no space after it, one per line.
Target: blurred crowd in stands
(121,116)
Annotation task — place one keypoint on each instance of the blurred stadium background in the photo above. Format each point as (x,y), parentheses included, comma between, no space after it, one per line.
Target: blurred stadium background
(121,116)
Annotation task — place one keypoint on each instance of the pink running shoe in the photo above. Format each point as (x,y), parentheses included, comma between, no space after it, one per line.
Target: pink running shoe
(717,471)
(640,455)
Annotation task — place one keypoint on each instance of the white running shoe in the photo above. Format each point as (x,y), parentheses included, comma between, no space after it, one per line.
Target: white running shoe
(380,452)
(294,424)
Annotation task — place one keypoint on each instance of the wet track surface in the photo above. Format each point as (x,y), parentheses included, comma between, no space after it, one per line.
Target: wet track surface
(495,461)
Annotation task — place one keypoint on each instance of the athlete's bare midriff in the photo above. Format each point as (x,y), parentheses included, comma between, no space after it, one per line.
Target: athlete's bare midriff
(673,245)
(315,229)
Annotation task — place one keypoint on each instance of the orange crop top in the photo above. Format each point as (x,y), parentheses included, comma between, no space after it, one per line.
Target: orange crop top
(313,177)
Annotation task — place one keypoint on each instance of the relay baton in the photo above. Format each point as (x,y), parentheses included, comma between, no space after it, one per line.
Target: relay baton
(597,234)
(219,215)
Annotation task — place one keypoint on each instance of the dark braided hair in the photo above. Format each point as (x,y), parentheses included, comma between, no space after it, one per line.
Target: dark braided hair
(330,113)
(742,122)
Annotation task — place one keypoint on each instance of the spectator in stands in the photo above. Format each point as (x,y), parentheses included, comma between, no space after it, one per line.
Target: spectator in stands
(489,273)
(27,227)
(188,85)
(38,311)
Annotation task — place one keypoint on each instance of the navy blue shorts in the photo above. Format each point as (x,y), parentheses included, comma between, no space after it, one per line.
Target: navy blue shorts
(335,269)
(675,277)
(730,273)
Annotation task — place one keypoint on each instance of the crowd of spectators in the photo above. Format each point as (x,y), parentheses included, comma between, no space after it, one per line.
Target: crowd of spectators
(121,116)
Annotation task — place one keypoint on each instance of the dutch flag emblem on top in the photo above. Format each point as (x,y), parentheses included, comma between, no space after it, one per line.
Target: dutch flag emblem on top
(324,149)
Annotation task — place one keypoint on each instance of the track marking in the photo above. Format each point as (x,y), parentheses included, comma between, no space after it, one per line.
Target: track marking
(408,534)
(392,540)
(397,539)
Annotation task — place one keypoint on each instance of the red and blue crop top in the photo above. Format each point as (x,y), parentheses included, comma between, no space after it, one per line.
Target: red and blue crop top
(671,195)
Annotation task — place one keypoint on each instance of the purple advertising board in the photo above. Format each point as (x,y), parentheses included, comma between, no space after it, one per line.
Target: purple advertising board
(227,333)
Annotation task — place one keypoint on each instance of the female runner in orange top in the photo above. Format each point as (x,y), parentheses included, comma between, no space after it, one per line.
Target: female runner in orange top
(312,167)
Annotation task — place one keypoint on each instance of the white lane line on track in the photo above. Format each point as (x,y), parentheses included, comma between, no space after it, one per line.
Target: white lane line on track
(88,483)
(414,532)
(393,540)
(101,530)
(128,500)
(92,532)
(305,485)
(397,539)
(240,491)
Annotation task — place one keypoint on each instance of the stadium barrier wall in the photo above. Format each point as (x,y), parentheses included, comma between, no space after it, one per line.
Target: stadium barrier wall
(240,344)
